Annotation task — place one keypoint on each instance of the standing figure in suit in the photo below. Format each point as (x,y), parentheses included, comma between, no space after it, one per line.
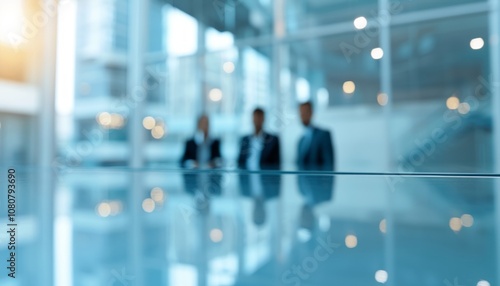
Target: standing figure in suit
(315,146)
(202,152)
(315,153)
(259,151)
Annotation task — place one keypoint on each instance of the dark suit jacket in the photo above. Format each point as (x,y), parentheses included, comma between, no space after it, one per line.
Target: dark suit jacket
(320,155)
(270,157)
(207,183)
(191,151)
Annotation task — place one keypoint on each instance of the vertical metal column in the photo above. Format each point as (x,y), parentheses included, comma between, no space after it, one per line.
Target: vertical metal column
(135,75)
(494,40)
(277,102)
(386,88)
(138,12)
(46,138)
(278,50)
(201,58)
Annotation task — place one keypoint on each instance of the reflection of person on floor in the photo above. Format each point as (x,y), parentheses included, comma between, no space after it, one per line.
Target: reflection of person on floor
(202,152)
(259,214)
(315,153)
(312,197)
(269,192)
(259,151)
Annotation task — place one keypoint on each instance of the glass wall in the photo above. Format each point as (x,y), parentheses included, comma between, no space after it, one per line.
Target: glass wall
(408,89)
(403,86)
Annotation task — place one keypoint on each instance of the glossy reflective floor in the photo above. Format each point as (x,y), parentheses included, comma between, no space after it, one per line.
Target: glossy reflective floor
(119,227)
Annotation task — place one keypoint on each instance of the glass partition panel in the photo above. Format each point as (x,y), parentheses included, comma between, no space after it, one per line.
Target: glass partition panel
(341,77)
(441,96)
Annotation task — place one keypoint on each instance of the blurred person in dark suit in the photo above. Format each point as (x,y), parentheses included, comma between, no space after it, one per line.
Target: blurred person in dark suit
(259,151)
(202,152)
(316,150)
(315,153)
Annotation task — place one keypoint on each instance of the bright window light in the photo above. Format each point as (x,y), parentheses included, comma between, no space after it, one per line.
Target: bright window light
(216,40)
(65,77)
(303,90)
(11,20)
(323,97)
(180,42)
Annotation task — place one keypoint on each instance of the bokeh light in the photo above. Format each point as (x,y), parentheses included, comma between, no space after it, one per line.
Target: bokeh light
(349,87)
(351,241)
(382,99)
(360,23)
(477,43)
(117,121)
(104,118)
(452,102)
(383,226)
(216,235)
(148,205)
(215,95)
(158,132)
(377,53)
(455,224)
(467,220)
(381,276)
(463,108)
(103,209)
(228,67)
(157,195)
(148,122)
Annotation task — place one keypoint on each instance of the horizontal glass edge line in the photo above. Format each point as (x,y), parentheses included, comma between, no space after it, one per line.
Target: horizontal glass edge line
(270,172)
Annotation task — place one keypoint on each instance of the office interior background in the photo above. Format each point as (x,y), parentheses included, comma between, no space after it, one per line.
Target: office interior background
(98,97)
